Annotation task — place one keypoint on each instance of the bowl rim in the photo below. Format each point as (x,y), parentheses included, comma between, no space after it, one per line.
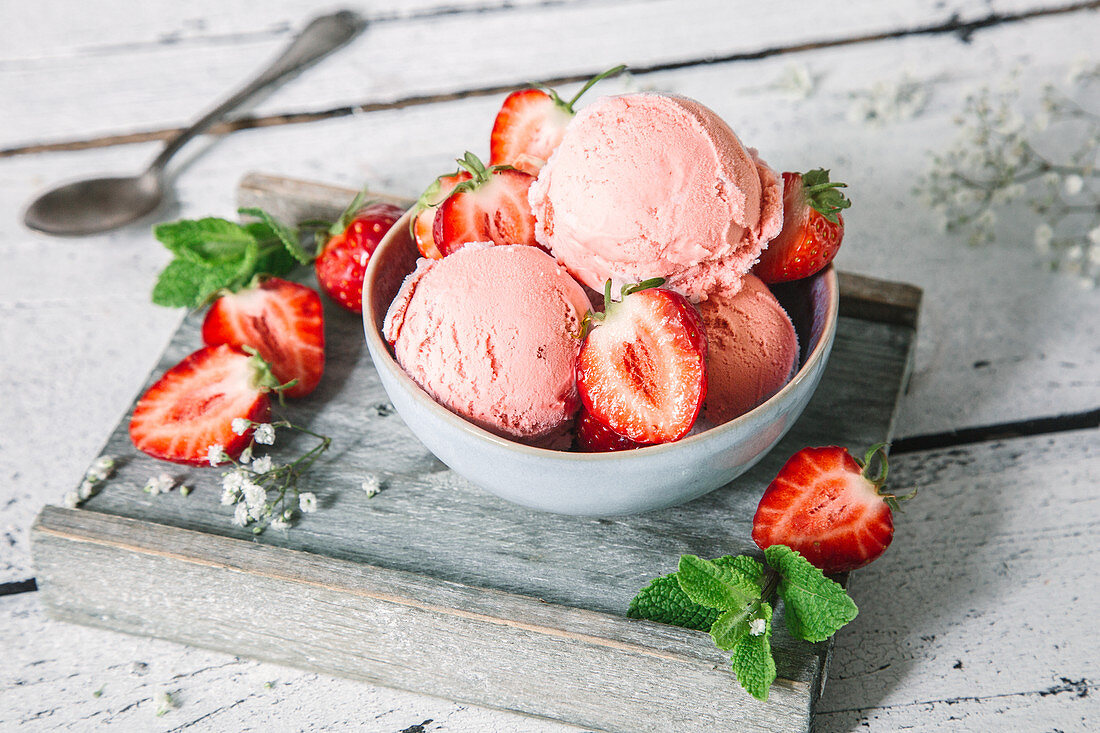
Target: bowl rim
(379,346)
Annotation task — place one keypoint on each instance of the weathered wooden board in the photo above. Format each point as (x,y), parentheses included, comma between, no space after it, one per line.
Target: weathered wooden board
(434,585)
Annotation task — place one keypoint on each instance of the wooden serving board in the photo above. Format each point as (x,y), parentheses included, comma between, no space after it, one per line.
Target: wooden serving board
(435,586)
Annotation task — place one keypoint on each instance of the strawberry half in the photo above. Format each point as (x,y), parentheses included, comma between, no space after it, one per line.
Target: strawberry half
(595,437)
(342,261)
(642,368)
(531,123)
(279,319)
(192,406)
(812,228)
(490,207)
(426,207)
(827,505)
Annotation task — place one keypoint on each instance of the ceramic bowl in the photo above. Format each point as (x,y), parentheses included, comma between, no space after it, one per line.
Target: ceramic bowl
(597,484)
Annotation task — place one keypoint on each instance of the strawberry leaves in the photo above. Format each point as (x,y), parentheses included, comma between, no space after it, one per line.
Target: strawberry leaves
(822,194)
(732,598)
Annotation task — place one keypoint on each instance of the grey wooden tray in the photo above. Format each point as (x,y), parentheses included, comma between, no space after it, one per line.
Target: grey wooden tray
(435,586)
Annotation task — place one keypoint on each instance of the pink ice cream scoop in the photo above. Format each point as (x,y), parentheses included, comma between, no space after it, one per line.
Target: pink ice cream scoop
(653,185)
(752,349)
(492,333)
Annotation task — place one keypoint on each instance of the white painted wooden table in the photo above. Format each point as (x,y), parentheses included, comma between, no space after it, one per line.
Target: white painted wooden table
(980,617)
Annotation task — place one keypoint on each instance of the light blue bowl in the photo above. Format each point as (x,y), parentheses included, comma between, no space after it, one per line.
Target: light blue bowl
(597,484)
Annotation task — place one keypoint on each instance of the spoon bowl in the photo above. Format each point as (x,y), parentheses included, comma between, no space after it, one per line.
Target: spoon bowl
(94,205)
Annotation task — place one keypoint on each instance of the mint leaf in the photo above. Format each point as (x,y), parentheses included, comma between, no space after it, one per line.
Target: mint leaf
(180,285)
(752,657)
(715,586)
(285,234)
(204,241)
(815,607)
(664,601)
(728,628)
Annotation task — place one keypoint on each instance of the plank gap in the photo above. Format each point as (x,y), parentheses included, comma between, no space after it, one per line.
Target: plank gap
(954,25)
(999,431)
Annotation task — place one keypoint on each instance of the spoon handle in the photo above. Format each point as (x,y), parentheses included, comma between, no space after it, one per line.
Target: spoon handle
(323,35)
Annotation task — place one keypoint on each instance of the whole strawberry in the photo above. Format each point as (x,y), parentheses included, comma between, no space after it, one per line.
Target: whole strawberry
(530,125)
(642,370)
(342,260)
(812,228)
(828,506)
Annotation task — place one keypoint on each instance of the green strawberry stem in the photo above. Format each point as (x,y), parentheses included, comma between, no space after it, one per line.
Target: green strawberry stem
(878,479)
(591,83)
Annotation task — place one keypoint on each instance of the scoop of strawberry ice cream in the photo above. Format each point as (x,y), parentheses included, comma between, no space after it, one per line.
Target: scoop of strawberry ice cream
(752,349)
(653,185)
(492,333)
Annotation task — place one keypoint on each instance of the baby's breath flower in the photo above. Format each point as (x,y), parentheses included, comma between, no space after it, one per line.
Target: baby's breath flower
(246,455)
(102,469)
(240,425)
(166,703)
(87,488)
(1044,234)
(307,502)
(254,495)
(758,626)
(371,485)
(1073,184)
(240,515)
(215,454)
(1094,236)
(279,523)
(161,484)
(265,434)
(71,500)
(186,490)
(262,464)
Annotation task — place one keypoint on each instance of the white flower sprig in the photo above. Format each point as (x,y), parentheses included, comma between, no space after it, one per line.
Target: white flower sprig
(1051,163)
(101,470)
(265,493)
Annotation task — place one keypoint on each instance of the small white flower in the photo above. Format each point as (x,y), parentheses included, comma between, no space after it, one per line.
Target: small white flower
(102,468)
(1094,252)
(161,484)
(1094,236)
(1072,184)
(246,455)
(240,515)
(372,485)
(262,464)
(240,425)
(71,500)
(254,495)
(1075,253)
(758,626)
(215,454)
(1044,234)
(265,434)
(165,703)
(279,523)
(87,488)
(186,490)
(796,80)
(307,502)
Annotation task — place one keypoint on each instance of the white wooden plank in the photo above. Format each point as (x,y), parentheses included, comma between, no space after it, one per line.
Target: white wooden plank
(52,672)
(985,603)
(142,86)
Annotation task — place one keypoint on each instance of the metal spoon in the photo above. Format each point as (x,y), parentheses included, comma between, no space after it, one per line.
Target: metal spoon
(100,204)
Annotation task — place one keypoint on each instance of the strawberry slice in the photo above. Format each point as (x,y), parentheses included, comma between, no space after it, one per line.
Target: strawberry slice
(192,407)
(530,125)
(642,368)
(595,437)
(812,228)
(490,207)
(827,505)
(426,207)
(279,319)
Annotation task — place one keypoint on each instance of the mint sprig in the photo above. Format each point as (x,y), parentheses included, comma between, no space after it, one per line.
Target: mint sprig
(214,254)
(732,597)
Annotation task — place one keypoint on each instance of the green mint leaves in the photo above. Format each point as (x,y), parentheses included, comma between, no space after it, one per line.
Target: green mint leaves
(215,254)
(732,597)
(815,606)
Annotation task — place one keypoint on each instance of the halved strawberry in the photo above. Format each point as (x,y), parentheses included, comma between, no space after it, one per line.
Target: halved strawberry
(192,407)
(642,367)
(490,207)
(812,228)
(342,261)
(279,319)
(827,505)
(595,437)
(530,125)
(427,206)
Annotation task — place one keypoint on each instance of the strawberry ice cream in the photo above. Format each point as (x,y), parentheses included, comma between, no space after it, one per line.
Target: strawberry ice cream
(653,185)
(491,332)
(752,349)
